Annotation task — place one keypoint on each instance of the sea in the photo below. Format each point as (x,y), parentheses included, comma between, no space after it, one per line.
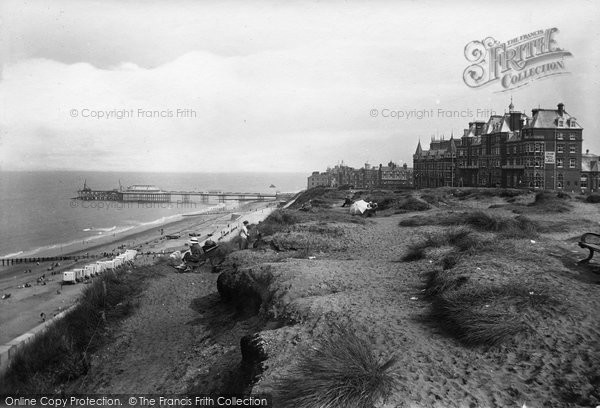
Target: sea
(40,217)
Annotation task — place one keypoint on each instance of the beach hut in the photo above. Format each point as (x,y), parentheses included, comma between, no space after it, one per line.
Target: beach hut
(69,277)
(90,270)
(79,274)
(96,268)
(131,254)
(100,267)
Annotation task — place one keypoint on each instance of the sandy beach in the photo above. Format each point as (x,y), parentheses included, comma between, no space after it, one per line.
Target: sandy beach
(21,311)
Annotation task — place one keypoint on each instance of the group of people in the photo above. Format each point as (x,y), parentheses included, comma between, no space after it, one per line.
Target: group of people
(197,253)
(368,208)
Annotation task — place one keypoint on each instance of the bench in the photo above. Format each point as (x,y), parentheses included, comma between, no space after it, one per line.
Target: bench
(591,242)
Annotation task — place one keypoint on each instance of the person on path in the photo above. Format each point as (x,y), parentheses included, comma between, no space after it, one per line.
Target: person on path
(244,235)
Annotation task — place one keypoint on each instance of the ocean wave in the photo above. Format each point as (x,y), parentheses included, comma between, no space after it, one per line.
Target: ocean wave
(162,220)
(70,246)
(92,229)
(11,255)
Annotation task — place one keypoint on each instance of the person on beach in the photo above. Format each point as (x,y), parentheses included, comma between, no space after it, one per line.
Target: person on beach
(244,235)
(194,254)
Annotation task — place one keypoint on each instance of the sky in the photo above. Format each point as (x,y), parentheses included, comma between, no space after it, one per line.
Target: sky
(228,86)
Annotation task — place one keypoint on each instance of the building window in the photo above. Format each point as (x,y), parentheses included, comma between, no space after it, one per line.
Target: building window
(559,136)
(572,163)
(584,181)
(572,148)
(560,148)
(573,123)
(538,163)
(560,181)
(572,136)
(559,162)
(538,180)
(561,123)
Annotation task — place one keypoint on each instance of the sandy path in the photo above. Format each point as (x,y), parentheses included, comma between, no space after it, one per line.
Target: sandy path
(155,350)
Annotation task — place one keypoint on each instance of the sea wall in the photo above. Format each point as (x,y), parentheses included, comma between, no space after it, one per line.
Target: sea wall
(10,349)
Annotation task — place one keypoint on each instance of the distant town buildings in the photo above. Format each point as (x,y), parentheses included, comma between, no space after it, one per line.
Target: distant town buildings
(541,151)
(388,177)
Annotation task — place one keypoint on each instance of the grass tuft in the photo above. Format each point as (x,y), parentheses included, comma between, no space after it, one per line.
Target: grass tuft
(482,315)
(411,204)
(461,238)
(549,202)
(593,198)
(440,281)
(415,252)
(342,372)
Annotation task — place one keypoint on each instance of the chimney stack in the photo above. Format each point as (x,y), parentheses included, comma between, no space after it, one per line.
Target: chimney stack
(561,108)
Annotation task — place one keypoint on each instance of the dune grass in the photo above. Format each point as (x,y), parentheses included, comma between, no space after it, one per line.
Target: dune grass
(440,281)
(550,202)
(343,371)
(411,204)
(278,220)
(593,198)
(59,354)
(518,227)
(480,315)
(461,238)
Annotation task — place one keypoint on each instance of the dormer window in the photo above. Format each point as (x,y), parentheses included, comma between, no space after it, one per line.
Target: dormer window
(572,122)
(561,122)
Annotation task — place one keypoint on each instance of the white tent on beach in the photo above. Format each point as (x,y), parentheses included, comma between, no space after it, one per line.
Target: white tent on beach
(359,207)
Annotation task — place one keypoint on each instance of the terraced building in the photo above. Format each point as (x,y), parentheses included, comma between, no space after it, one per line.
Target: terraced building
(541,151)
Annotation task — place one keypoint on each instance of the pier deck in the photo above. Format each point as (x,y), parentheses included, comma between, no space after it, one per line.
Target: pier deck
(169,196)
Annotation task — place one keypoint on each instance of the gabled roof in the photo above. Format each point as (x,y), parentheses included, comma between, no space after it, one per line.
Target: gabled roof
(505,127)
(549,118)
(493,124)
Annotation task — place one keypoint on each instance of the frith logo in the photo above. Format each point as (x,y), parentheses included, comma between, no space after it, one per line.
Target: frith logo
(516,62)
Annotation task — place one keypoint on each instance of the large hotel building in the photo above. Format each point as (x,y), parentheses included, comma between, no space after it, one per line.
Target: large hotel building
(541,151)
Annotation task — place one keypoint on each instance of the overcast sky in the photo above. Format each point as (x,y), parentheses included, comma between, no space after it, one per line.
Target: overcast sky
(266,86)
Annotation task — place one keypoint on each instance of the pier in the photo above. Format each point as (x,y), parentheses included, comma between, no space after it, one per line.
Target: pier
(151,194)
